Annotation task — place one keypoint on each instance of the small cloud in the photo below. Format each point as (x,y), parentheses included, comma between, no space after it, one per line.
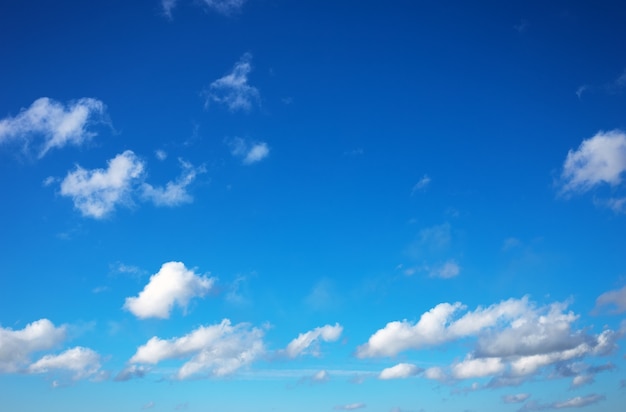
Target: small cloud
(613,298)
(511,243)
(49,181)
(233,89)
(101,289)
(303,343)
(399,371)
(79,362)
(447,270)
(517,398)
(131,372)
(421,184)
(248,152)
(173,284)
(148,405)
(174,193)
(350,406)
(522,26)
(225,7)
(160,154)
(168,6)
(582,89)
(48,124)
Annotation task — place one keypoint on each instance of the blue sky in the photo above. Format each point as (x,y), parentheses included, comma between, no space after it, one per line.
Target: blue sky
(254,205)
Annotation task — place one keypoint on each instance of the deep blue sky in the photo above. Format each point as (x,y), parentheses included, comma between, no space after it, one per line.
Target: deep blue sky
(278,205)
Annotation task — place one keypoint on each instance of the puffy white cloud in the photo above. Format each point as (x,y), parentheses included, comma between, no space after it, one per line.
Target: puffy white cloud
(399,371)
(54,123)
(248,152)
(600,159)
(175,192)
(616,298)
(477,368)
(350,406)
(435,373)
(97,192)
(436,327)
(80,362)
(304,341)
(218,350)
(173,284)
(16,346)
(517,398)
(233,89)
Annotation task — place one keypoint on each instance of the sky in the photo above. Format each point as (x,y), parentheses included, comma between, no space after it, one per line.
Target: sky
(278,206)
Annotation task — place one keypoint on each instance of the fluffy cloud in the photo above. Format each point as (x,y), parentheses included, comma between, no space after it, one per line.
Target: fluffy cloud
(48,124)
(616,298)
(217,350)
(249,153)
(97,192)
(477,368)
(173,284)
(80,362)
(600,159)
(233,89)
(399,371)
(436,327)
(16,346)
(304,341)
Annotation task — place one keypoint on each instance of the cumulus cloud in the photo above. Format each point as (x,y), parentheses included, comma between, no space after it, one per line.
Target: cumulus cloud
(613,298)
(350,406)
(477,368)
(97,192)
(233,89)
(248,152)
(598,160)
(16,346)
(308,342)
(517,398)
(79,362)
(49,124)
(437,326)
(217,350)
(399,371)
(174,284)
(175,192)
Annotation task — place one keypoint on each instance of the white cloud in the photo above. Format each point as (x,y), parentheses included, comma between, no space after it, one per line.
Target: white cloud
(320,376)
(148,405)
(421,184)
(130,372)
(399,371)
(80,362)
(436,327)
(248,152)
(435,373)
(477,368)
(304,341)
(578,401)
(173,284)
(160,154)
(233,89)
(168,6)
(225,7)
(581,380)
(97,192)
(517,398)
(218,350)
(54,123)
(448,270)
(16,346)
(175,192)
(350,406)
(616,298)
(600,159)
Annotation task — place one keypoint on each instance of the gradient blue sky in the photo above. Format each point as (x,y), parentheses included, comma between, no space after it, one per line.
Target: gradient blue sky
(268,205)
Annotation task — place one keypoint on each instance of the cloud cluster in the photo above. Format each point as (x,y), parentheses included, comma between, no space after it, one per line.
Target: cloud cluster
(308,342)
(215,350)
(173,284)
(49,124)
(233,89)
(16,346)
(97,192)
(79,362)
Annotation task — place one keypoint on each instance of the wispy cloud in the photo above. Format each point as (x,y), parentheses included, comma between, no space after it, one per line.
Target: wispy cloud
(174,193)
(168,6)
(447,270)
(308,342)
(225,7)
(233,89)
(517,398)
(350,406)
(248,152)
(576,402)
(613,298)
(421,184)
(173,284)
(48,124)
